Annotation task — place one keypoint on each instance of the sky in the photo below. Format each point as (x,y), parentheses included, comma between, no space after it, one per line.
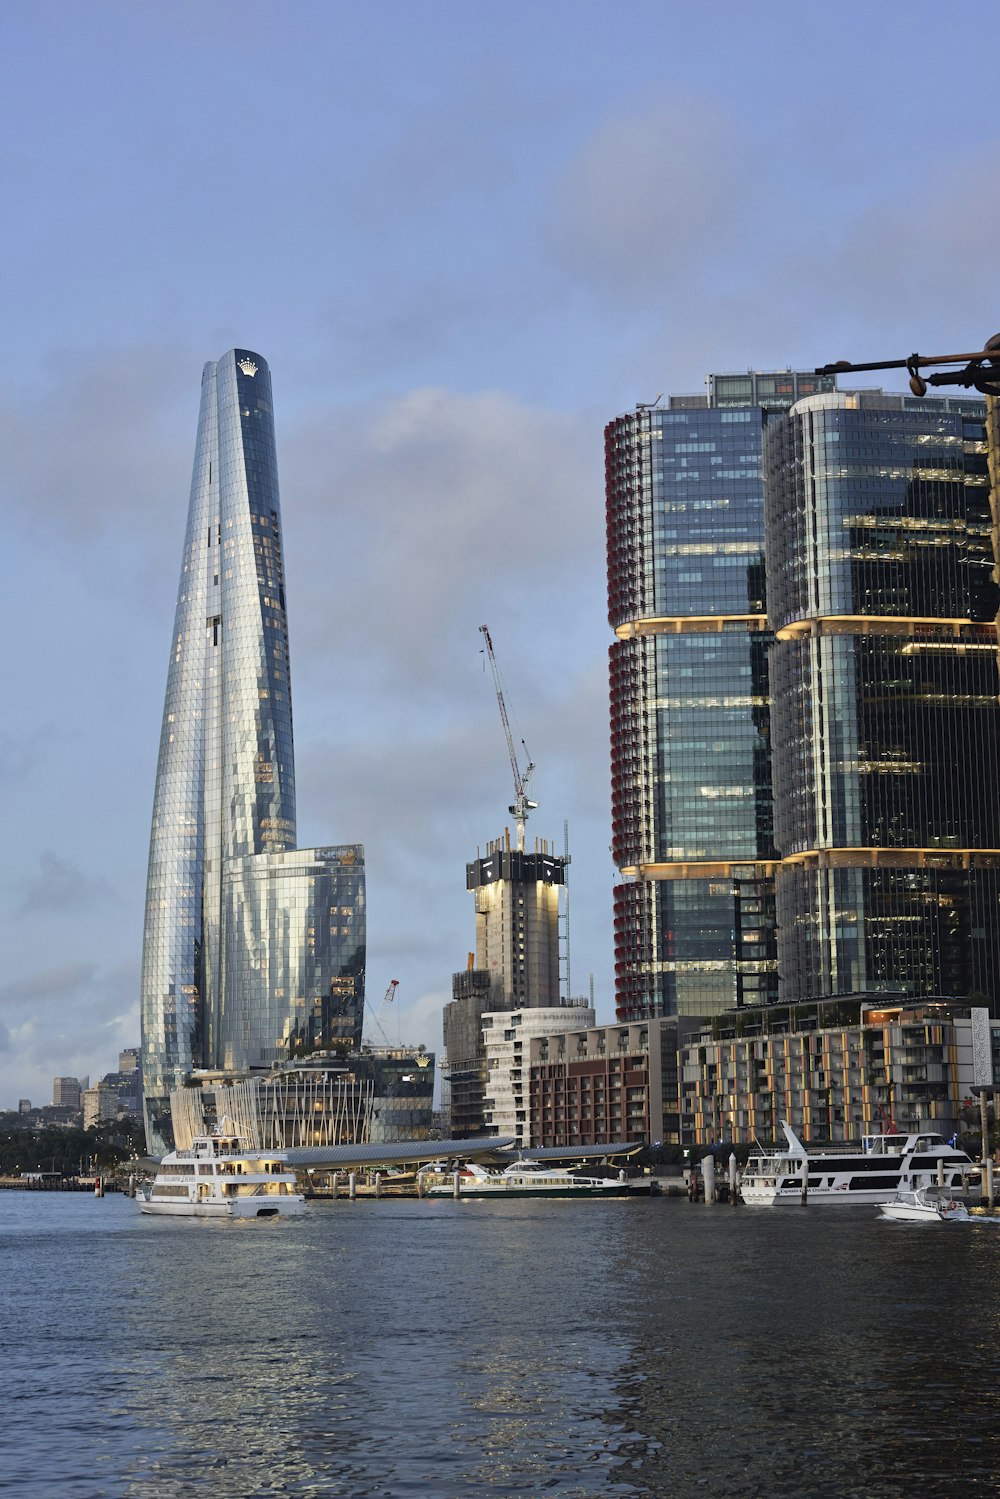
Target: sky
(464,237)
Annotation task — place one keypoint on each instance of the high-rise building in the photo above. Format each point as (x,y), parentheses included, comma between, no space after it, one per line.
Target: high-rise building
(515,965)
(884,712)
(517,921)
(804,698)
(250,945)
(66,1092)
(100,1104)
(690,721)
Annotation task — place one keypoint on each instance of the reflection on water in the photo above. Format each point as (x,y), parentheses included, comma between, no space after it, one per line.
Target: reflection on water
(452,1349)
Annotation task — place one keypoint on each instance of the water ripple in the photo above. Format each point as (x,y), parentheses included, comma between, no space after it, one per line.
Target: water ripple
(451,1350)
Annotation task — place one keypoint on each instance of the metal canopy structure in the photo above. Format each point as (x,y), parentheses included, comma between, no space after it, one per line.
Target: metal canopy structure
(580,1152)
(402,1153)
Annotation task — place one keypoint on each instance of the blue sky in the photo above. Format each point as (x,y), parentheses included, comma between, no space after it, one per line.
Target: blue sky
(464,237)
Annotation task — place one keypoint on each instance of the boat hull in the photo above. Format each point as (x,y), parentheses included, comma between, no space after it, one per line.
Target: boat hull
(616,1189)
(281,1207)
(850,1197)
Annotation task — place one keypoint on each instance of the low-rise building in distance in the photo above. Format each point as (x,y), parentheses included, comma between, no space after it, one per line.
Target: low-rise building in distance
(378,1096)
(603,1084)
(835,1069)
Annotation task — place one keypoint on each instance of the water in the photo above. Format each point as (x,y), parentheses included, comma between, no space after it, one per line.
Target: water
(464,1349)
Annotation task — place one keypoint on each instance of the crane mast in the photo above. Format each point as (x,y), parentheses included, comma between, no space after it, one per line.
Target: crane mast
(521,805)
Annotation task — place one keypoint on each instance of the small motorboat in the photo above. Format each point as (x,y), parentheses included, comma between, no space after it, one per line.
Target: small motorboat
(925,1205)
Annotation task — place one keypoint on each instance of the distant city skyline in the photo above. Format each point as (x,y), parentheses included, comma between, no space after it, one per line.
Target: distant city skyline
(501,226)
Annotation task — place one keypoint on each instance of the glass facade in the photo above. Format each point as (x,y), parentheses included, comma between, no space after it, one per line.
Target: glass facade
(295,953)
(380,1096)
(692,806)
(225,782)
(884,710)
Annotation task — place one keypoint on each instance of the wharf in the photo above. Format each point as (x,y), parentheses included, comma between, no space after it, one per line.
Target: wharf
(61,1184)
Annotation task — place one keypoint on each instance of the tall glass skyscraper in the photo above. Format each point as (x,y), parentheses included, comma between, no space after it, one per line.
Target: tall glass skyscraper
(690,711)
(249,944)
(884,713)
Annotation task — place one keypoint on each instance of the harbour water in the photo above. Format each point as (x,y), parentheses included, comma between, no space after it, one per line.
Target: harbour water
(638,1347)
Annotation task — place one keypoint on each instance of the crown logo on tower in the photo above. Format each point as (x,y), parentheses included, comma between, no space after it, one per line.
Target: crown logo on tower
(247,366)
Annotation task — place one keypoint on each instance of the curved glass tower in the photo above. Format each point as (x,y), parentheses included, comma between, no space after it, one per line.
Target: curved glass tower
(241,941)
(690,707)
(886,725)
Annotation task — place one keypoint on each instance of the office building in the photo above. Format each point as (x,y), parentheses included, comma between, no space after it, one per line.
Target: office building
(507,1037)
(250,945)
(100,1104)
(804,698)
(692,813)
(885,721)
(66,1092)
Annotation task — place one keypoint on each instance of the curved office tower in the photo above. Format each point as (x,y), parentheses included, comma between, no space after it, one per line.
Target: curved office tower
(690,710)
(224,804)
(884,711)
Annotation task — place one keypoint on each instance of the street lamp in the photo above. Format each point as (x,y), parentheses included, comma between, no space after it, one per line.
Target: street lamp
(981,370)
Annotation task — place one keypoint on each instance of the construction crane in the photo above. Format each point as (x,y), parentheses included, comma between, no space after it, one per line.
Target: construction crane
(520,806)
(376,1015)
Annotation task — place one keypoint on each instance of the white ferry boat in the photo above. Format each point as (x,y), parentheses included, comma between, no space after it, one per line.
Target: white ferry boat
(522,1179)
(885,1165)
(217,1179)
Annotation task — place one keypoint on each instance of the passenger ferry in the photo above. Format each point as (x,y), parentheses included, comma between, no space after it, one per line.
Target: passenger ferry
(885,1165)
(522,1179)
(217,1179)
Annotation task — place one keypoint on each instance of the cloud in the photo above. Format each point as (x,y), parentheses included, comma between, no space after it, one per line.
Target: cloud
(71,1019)
(422,1020)
(876,273)
(651,195)
(56,983)
(414,518)
(923,255)
(96,450)
(61,886)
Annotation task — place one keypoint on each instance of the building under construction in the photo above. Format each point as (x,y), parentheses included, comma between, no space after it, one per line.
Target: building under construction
(516,964)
